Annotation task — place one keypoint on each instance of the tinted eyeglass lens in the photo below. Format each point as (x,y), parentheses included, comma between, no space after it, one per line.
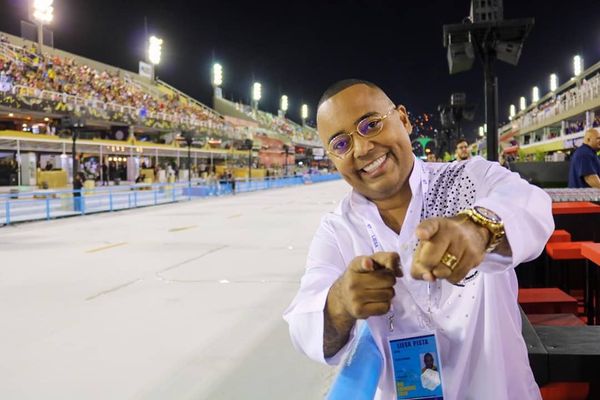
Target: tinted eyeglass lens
(369,126)
(340,144)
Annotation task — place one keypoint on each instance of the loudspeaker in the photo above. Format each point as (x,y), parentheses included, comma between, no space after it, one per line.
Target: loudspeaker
(460,57)
(509,52)
(458,99)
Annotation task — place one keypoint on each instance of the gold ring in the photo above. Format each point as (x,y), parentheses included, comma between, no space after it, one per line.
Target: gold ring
(449,261)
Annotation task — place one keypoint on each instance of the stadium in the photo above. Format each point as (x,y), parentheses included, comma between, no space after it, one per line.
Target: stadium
(154,230)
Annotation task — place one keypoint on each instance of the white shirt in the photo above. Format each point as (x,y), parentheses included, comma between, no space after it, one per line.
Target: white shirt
(479,325)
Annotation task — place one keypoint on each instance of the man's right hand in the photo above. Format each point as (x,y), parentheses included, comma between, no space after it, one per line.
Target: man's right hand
(365,289)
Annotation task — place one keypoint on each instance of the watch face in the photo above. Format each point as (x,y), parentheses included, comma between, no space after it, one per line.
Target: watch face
(487,214)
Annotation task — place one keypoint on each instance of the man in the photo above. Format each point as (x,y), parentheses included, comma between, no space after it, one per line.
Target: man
(458,279)
(428,361)
(584,170)
(462,150)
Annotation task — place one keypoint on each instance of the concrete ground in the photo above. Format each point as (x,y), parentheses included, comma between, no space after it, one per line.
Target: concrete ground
(180,301)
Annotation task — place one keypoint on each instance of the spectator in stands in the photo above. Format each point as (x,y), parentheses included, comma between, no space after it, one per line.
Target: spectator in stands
(441,223)
(462,150)
(584,167)
(431,157)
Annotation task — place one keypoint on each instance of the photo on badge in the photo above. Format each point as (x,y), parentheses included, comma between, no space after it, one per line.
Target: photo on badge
(417,367)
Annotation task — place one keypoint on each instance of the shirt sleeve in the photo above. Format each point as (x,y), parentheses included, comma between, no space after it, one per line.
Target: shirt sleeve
(525,209)
(589,165)
(305,314)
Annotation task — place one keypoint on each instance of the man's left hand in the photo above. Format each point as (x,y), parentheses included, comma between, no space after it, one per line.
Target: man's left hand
(448,249)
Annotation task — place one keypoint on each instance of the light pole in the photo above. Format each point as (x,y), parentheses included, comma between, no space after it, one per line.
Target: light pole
(42,15)
(283,105)
(286,148)
(189,139)
(217,79)
(249,144)
(256,94)
(553,82)
(486,33)
(154,53)
(522,104)
(304,113)
(535,94)
(577,65)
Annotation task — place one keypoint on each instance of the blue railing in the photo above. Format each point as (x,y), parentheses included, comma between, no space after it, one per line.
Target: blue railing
(48,204)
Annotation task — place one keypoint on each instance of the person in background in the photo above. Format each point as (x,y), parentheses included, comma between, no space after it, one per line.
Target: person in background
(462,150)
(584,167)
(78,181)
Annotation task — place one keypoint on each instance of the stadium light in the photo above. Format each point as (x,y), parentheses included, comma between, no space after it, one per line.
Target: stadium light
(577,65)
(43,13)
(256,91)
(217,75)
(535,94)
(481,131)
(553,82)
(512,111)
(522,104)
(284,103)
(154,50)
(304,113)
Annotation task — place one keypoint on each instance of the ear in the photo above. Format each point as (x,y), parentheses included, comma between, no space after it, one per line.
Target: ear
(404,118)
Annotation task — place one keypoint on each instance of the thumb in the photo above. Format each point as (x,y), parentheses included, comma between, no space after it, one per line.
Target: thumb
(428,228)
(362,264)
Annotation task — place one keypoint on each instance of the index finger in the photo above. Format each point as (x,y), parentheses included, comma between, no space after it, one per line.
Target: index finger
(388,260)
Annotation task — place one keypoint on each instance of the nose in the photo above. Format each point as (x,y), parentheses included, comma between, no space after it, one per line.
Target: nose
(362,146)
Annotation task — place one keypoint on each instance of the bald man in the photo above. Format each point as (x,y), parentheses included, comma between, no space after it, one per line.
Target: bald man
(584,170)
(418,247)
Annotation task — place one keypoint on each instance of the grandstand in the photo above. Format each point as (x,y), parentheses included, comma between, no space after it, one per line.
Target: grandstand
(130,120)
(553,126)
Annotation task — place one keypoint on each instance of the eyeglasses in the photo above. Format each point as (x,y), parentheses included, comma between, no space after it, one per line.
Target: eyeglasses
(368,127)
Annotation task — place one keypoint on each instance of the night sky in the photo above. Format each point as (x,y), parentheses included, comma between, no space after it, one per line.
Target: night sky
(299,48)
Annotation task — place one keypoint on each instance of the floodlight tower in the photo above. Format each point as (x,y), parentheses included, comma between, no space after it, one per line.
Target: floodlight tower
(304,114)
(485,33)
(217,79)
(283,106)
(256,94)
(42,14)
(154,53)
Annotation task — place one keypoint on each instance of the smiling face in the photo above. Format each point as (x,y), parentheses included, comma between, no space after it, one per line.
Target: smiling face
(377,167)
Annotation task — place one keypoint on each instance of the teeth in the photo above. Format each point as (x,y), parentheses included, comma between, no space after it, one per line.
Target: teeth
(371,167)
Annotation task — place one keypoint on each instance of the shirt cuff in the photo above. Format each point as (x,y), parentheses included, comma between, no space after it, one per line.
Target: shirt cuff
(306,325)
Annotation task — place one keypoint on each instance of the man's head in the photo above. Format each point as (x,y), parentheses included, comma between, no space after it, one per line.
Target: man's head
(428,360)
(431,157)
(462,150)
(376,166)
(592,138)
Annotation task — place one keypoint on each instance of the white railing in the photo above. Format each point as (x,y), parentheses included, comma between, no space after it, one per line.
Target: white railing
(575,97)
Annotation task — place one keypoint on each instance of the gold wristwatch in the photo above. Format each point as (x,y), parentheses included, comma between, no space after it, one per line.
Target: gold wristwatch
(489,220)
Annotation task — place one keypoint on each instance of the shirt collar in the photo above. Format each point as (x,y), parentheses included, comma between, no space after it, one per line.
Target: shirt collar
(414,181)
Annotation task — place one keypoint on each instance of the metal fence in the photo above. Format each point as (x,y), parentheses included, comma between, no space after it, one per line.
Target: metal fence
(19,206)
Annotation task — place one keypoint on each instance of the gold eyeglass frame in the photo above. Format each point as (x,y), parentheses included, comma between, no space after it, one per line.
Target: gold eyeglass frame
(382,118)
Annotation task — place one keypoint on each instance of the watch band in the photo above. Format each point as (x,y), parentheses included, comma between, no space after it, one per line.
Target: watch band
(495,227)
